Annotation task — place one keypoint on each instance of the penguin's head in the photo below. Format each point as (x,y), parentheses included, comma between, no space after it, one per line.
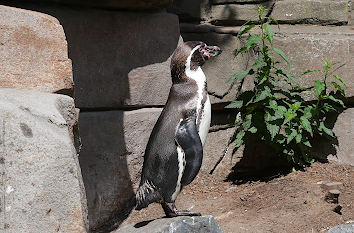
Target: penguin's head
(191,55)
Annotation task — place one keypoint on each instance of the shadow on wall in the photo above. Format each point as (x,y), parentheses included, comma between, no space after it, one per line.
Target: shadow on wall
(260,163)
(104,47)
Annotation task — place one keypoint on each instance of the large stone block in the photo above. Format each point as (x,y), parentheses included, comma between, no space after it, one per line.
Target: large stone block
(120,58)
(117,4)
(306,47)
(116,53)
(219,12)
(341,149)
(33,52)
(195,224)
(41,188)
(113,145)
(234,14)
(311,11)
(237,1)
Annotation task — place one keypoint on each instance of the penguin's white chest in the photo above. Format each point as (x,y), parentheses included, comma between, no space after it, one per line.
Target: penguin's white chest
(203,108)
(205,119)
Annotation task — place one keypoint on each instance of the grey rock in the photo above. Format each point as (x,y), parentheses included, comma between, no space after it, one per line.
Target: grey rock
(219,12)
(234,14)
(214,147)
(119,66)
(120,58)
(41,188)
(331,185)
(202,224)
(340,150)
(113,145)
(117,4)
(237,1)
(344,228)
(33,52)
(311,11)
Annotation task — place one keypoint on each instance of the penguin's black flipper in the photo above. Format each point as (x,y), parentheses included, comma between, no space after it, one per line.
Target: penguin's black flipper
(188,139)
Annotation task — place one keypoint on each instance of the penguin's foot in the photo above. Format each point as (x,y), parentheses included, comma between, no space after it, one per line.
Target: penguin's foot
(172,211)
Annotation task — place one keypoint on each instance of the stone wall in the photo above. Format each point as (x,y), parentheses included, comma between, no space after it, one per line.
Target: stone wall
(309,32)
(120,53)
(120,63)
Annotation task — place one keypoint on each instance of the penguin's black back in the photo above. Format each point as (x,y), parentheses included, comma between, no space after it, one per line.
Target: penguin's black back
(160,160)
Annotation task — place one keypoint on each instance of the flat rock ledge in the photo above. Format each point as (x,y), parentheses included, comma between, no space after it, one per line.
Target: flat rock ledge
(344,228)
(197,224)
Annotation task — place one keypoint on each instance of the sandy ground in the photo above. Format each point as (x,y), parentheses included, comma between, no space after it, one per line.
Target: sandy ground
(290,203)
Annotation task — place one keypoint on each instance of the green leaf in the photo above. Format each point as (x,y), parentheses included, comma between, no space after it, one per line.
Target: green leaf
(259,63)
(272,129)
(239,138)
(246,97)
(235,104)
(340,80)
(306,124)
(298,138)
(270,33)
(291,136)
(335,100)
(274,21)
(282,109)
(241,50)
(309,71)
(297,105)
(319,87)
(247,122)
(247,29)
(254,39)
(272,117)
(252,129)
(336,85)
(273,104)
(324,129)
(282,54)
(238,76)
(307,112)
(307,143)
(292,78)
(329,108)
(289,115)
(263,95)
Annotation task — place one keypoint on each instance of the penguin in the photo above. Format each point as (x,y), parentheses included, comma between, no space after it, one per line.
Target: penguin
(174,152)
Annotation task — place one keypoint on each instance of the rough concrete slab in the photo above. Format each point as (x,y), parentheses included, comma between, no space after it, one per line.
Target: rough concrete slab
(311,11)
(340,150)
(33,52)
(198,224)
(113,145)
(117,4)
(41,188)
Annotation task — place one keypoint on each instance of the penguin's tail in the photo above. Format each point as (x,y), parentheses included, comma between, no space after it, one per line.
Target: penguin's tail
(146,195)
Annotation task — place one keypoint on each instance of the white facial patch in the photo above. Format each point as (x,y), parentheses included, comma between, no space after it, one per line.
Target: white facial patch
(199,77)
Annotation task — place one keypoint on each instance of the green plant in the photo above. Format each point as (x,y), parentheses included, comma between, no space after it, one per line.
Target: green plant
(275,111)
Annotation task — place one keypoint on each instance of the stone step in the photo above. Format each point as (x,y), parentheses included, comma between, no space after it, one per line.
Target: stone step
(198,224)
